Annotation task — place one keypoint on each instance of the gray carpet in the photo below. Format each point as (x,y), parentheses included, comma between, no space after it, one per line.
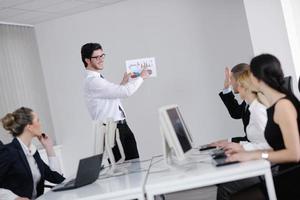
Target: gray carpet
(205,193)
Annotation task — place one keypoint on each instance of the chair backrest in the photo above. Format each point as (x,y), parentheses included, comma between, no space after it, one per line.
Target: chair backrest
(288,83)
(99,130)
(299,84)
(58,153)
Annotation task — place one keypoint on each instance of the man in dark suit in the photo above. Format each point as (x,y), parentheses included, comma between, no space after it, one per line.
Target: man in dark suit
(236,110)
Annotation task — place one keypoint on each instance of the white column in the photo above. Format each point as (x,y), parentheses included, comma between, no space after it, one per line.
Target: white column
(268,32)
(21,77)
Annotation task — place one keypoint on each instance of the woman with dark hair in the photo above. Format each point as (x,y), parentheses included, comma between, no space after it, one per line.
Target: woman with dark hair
(22,169)
(282,129)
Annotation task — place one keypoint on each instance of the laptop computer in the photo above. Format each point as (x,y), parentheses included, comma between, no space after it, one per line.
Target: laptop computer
(87,173)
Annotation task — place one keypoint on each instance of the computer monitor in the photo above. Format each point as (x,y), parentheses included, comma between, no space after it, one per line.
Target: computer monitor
(176,137)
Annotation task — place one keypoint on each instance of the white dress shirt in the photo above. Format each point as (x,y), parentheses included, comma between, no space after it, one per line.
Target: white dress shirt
(103,97)
(256,128)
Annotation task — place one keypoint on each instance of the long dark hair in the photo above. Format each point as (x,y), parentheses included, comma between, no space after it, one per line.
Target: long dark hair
(267,68)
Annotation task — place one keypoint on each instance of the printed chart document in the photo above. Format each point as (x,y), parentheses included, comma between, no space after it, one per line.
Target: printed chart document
(137,65)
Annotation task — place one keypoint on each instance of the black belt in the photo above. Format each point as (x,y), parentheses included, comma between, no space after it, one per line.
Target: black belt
(123,121)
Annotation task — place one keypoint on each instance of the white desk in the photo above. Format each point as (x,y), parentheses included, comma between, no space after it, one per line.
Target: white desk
(127,186)
(157,178)
(162,180)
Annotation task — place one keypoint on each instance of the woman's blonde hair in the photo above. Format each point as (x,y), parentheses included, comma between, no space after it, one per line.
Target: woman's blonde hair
(244,81)
(15,122)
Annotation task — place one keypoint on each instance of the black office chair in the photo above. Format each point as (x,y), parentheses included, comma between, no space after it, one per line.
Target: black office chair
(299,84)
(288,84)
(285,189)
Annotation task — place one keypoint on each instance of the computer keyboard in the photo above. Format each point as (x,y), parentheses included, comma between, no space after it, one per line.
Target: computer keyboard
(220,157)
(206,147)
(218,153)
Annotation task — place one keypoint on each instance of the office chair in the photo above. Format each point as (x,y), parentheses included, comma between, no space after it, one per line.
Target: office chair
(44,157)
(288,83)
(299,84)
(285,189)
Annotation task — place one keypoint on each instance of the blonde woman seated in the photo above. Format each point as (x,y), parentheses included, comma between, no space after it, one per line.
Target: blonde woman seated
(53,164)
(23,171)
(255,134)
(258,117)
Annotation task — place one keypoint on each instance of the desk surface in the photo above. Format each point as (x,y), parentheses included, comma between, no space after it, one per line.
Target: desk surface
(128,185)
(155,177)
(197,173)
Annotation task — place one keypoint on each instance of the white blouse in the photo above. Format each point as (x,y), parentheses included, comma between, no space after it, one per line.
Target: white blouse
(256,128)
(7,194)
(36,175)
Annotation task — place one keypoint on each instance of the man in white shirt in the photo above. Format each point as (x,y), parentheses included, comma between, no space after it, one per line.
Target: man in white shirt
(103,97)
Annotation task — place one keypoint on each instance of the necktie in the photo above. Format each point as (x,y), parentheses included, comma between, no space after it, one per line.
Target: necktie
(122,111)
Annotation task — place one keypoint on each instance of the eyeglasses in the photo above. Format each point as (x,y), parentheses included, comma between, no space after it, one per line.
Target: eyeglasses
(99,57)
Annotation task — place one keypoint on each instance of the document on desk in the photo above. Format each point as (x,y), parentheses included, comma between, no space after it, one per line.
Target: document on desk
(137,65)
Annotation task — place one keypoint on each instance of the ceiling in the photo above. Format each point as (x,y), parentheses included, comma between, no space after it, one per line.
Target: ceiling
(36,11)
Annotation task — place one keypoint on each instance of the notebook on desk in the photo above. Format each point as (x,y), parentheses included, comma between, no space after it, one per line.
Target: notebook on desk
(87,173)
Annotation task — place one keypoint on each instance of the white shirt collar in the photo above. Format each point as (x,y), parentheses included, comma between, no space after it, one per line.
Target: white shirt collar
(92,73)
(28,151)
(254,104)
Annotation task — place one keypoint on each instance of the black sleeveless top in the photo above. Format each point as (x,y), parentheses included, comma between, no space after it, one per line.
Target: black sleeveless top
(273,133)
(286,180)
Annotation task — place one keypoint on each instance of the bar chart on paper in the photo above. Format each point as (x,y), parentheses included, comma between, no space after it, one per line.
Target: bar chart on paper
(137,65)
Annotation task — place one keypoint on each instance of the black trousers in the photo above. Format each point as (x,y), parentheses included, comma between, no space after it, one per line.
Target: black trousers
(128,142)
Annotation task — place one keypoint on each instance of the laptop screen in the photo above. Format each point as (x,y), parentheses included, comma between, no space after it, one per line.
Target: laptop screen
(180,129)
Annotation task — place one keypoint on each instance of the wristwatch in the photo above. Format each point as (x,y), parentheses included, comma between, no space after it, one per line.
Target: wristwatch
(264,155)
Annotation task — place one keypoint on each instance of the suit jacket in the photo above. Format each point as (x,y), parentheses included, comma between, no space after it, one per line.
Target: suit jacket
(15,173)
(236,111)
(1,144)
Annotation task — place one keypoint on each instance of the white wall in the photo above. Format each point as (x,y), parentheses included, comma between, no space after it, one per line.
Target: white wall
(291,12)
(268,33)
(192,42)
(21,77)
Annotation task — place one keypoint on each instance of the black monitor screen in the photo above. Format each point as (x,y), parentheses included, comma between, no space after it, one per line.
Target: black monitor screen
(179,129)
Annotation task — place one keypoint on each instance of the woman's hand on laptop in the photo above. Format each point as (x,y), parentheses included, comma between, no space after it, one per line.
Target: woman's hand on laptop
(243,156)
(232,148)
(220,143)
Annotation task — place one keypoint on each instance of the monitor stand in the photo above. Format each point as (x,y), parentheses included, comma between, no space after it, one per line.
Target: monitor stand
(170,158)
